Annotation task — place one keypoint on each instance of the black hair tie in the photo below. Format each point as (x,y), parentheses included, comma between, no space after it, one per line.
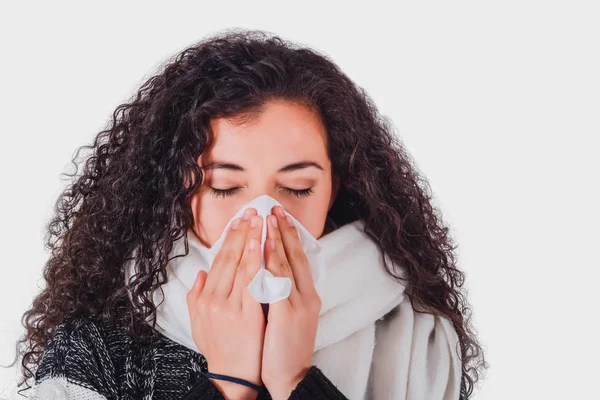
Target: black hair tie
(235,380)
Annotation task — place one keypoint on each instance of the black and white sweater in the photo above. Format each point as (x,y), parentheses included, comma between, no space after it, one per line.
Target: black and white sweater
(88,360)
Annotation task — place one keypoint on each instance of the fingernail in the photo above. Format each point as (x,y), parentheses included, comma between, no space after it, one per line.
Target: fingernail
(254,221)
(196,282)
(289,220)
(247,213)
(274,221)
(280,212)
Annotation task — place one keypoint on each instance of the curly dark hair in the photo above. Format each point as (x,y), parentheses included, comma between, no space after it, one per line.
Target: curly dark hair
(135,188)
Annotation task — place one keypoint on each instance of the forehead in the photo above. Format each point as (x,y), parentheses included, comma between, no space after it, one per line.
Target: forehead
(282,130)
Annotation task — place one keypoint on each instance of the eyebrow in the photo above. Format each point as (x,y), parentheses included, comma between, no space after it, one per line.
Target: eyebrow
(288,168)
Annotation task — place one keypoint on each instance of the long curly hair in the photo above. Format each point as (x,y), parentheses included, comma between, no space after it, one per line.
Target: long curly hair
(135,187)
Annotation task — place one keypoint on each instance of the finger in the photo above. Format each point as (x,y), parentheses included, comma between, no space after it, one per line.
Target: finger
(195,292)
(226,262)
(250,263)
(295,253)
(276,260)
(232,254)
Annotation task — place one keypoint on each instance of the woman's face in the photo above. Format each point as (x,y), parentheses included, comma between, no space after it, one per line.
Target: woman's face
(262,157)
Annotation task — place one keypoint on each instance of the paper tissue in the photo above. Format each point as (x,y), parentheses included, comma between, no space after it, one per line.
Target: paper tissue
(265,287)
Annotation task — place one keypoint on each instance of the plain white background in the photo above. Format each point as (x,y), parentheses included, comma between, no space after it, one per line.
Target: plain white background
(498,102)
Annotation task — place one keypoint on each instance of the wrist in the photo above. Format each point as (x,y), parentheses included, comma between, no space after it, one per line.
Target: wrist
(234,391)
(282,391)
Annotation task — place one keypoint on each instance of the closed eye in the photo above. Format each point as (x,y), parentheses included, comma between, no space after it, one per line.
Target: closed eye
(231,192)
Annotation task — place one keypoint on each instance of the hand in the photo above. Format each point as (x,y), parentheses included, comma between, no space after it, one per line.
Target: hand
(291,323)
(228,324)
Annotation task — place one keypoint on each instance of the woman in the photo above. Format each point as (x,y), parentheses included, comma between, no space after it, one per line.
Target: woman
(241,115)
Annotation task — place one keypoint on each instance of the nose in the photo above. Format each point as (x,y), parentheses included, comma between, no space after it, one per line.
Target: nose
(266,205)
(253,194)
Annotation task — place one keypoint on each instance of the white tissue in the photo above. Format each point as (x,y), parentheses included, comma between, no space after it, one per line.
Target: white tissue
(265,287)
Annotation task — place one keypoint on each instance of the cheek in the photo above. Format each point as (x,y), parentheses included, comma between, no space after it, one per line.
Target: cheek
(210,218)
(311,213)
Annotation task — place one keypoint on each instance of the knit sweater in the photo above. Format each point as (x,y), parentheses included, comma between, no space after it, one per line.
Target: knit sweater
(88,359)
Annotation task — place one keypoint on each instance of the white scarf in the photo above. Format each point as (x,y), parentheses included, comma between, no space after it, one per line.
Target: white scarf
(406,363)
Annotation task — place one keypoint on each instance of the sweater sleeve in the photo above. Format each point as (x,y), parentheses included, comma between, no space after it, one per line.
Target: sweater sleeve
(204,389)
(316,386)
